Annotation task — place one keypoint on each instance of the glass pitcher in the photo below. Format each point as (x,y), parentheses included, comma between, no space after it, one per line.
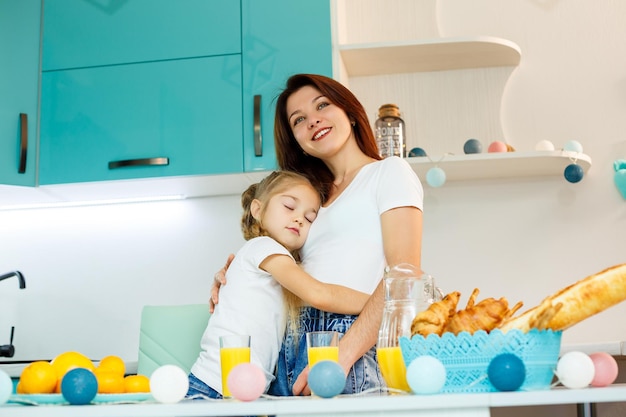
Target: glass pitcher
(407,292)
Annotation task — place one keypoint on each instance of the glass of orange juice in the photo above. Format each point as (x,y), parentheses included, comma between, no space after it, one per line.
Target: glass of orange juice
(322,346)
(234,350)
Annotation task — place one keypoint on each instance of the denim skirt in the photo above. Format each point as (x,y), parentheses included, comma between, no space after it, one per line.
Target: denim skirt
(364,374)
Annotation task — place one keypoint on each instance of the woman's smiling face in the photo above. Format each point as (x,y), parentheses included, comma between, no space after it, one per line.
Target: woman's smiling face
(320,127)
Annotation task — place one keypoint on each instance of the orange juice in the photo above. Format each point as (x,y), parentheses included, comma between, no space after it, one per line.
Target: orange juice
(229,358)
(392,367)
(323,353)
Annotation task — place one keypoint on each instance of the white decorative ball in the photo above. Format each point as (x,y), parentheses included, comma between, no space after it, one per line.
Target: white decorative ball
(544,145)
(575,370)
(169,384)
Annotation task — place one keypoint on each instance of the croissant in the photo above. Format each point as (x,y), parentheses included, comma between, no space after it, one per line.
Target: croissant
(433,319)
(486,315)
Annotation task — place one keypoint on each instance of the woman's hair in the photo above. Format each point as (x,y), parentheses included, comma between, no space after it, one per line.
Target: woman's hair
(275,183)
(290,155)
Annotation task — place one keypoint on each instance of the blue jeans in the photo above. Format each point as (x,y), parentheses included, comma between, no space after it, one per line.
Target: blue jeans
(364,374)
(198,387)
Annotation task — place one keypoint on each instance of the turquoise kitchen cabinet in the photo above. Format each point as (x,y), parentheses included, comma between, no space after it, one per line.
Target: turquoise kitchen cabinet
(169,118)
(111,109)
(280,38)
(20,22)
(80,34)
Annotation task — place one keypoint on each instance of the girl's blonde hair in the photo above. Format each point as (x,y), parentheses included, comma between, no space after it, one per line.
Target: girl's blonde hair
(275,183)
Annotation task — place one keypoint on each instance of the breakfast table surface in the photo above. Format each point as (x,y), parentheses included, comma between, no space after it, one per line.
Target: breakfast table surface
(454,405)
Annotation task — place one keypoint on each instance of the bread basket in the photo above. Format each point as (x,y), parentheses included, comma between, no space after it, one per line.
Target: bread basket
(466,357)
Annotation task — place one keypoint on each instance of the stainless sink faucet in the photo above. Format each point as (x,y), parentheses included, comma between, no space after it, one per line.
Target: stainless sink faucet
(9,350)
(17,274)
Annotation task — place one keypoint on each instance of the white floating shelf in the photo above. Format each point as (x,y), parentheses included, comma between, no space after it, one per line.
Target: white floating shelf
(500,165)
(429,55)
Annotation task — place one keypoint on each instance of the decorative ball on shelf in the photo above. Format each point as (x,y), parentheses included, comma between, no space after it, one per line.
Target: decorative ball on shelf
(436,177)
(327,379)
(575,370)
(573,146)
(620,176)
(573,173)
(169,384)
(497,146)
(472,146)
(544,145)
(6,387)
(606,369)
(506,372)
(426,375)
(417,152)
(246,382)
(79,386)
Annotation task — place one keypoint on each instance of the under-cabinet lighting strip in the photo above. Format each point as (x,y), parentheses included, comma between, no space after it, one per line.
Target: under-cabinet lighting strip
(64,204)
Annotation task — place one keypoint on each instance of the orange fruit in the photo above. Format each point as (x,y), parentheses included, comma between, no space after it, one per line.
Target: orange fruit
(114,364)
(69,360)
(38,378)
(136,383)
(109,382)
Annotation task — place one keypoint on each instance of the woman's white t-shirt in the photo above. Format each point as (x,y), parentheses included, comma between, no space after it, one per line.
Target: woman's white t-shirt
(345,244)
(251,303)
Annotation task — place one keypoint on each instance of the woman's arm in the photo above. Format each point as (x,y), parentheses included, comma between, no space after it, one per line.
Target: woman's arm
(402,242)
(327,297)
(219,279)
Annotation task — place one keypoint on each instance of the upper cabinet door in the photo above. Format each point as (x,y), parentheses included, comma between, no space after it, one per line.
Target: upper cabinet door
(110,123)
(19,82)
(280,38)
(91,33)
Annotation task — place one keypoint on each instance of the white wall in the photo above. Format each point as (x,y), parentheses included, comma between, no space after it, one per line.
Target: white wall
(90,270)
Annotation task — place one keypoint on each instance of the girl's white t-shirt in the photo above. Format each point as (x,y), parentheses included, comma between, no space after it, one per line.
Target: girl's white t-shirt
(251,302)
(345,244)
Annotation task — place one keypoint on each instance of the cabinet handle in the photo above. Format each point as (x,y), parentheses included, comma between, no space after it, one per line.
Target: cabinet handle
(139,162)
(258,138)
(23,142)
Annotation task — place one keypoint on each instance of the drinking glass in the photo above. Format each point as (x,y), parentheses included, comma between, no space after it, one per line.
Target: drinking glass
(323,345)
(234,350)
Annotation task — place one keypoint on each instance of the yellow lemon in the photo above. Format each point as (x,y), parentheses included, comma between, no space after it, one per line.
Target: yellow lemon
(113,363)
(70,360)
(38,378)
(137,383)
(109,382)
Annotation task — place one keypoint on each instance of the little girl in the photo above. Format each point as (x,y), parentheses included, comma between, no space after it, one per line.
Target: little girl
(264,276)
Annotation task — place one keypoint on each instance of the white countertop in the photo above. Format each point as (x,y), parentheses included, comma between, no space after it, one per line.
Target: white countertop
(461,405)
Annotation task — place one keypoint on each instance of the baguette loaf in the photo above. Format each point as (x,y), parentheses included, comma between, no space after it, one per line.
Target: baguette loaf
(574,303)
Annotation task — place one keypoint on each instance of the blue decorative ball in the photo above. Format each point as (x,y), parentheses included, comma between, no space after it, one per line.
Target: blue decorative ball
(573,173)
(79,386)
(472,146)
(506,372)
(327,379)
(436,177)
(417,152)
(573,146)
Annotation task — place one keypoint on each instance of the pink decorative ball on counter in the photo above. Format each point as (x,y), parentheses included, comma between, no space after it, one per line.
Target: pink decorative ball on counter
(246,382)
(497,146)
(606,369)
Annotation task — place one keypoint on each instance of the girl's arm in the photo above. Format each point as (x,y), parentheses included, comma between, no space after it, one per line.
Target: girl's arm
(327,297)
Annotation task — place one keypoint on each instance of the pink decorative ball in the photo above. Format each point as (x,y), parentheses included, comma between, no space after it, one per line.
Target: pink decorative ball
(606,369)
(246,382)
(497,146)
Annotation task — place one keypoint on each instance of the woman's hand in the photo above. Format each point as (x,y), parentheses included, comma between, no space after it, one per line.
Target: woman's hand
(301,386)
(219,279)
